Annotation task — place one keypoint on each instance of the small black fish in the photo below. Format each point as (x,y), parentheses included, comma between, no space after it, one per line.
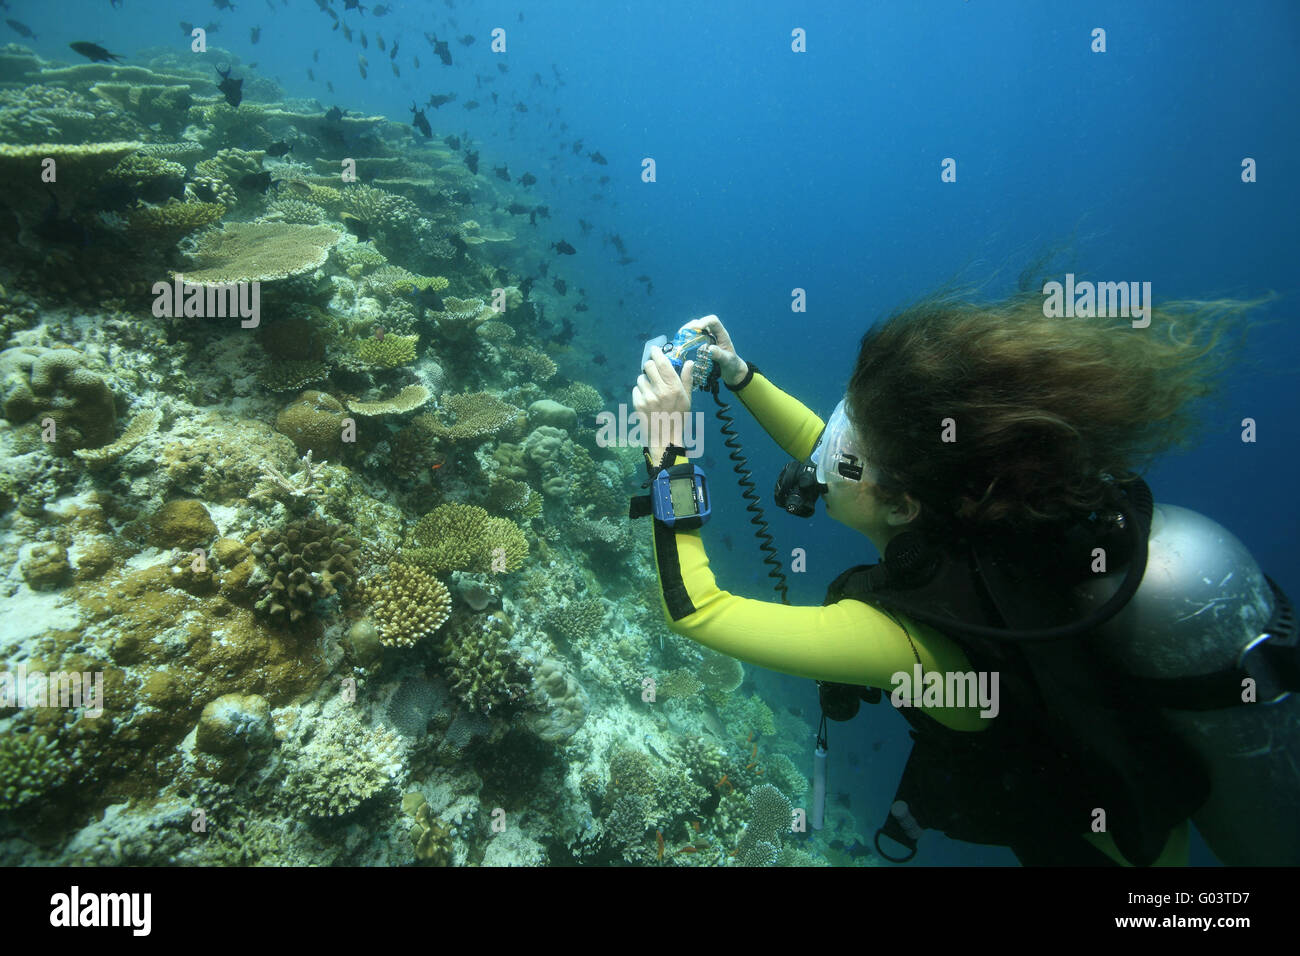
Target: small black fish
(581,307)
(22,29)
(577,147)
(598,159)
(329,85)
(440,47)
(626,260)
(642,278)
(393,55)
(396,71)
(379,42)
(503,172)
(586,226)
(521,108)
(94,52)
(649,288)
(543,211)
(379,10)
(563,248)
(494,99)
(333,115)
(255,34)
(279,148)
(528,179)
(561,287)
(347,34)
(256,182)
(516,209)
(599,358)
(604,180)
(471,161)
(416,61)
(362,63)
(419,121)
(566,333)
(466,40)
(187,27)
(223,4)
(233,89)
(365,44)
(453,142)
(212,27)
(726,542)
(877,745)
(442,99)
(358,227)
(310,75)
(315,56)
(471,104)
(354,5)
(503,67)
(617,240)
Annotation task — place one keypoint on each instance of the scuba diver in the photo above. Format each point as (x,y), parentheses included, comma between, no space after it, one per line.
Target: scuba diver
(1142,664)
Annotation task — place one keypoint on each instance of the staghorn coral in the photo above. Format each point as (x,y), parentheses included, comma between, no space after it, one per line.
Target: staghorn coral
(478,415)
(298,491)
(308,560)
(485,673)
(260,252)
(461,537)
(141,427)
(406,604)
(784,775)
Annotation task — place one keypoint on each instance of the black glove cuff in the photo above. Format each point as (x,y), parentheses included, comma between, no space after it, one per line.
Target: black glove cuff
(749,375)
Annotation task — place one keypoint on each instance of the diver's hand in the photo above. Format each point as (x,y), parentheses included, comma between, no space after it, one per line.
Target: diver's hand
(731,365)
(663,400)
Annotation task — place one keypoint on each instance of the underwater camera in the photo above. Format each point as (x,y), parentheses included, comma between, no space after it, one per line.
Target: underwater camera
(797,489)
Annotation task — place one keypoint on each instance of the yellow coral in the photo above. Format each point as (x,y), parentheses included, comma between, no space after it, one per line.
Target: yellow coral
(407,604)
(388,352)
(461,537)
(261,252)
(478,415)
(173,220)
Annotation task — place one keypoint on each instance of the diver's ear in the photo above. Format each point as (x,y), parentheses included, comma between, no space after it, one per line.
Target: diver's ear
(905,513)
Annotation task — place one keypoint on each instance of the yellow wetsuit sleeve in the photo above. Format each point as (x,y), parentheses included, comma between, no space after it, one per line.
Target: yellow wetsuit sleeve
(791,424)
(848,642)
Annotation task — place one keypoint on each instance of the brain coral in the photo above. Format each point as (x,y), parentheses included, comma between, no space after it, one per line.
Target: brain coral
(36,383)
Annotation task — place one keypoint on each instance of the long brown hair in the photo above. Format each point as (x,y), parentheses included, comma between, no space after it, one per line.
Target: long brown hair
(1041,409)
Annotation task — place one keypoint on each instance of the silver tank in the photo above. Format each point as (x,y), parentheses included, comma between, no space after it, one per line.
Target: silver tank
(1202,600)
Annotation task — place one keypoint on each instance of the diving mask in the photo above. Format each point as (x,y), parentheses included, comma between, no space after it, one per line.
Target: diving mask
(839,455)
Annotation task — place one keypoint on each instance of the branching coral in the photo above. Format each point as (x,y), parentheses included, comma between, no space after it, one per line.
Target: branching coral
(141,427)
(484,671)
(407,604)
(387,352)
(461,537)
(30,766)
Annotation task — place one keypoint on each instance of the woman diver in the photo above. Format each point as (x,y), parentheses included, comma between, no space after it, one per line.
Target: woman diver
(1142,661)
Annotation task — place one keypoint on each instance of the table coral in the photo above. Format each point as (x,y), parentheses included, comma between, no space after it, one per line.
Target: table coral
(260,252)
(461,537)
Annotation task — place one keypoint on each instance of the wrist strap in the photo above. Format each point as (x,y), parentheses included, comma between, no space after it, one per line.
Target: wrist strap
(749,376)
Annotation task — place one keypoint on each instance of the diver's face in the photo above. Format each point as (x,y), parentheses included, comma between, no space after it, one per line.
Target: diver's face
(857,504)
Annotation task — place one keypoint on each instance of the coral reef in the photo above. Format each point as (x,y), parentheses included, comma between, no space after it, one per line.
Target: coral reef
(308,560)
(406,604)
(461,537)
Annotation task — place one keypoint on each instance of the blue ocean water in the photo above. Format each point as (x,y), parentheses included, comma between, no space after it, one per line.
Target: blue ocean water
(821,170)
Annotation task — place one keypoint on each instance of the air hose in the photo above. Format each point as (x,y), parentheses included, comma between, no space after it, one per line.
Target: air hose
(741,467)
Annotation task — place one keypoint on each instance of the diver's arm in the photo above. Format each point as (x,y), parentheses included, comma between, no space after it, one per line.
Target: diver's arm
(848,642)
(789,421)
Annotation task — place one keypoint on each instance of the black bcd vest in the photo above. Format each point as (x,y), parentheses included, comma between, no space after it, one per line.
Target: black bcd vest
(1071,737)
